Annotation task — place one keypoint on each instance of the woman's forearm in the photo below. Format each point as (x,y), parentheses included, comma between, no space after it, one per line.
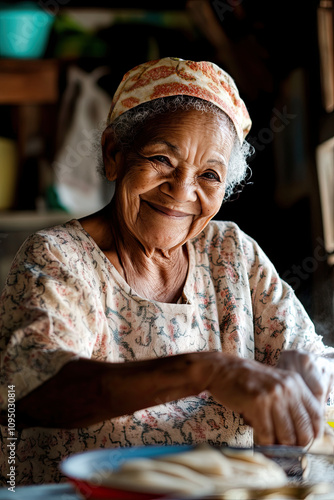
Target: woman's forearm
(85,391)
(276,402)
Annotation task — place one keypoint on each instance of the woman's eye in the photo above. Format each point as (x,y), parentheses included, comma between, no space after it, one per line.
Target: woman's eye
(211,176)
(160,159)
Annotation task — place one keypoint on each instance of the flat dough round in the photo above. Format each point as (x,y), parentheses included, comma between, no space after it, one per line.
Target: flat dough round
(201,471)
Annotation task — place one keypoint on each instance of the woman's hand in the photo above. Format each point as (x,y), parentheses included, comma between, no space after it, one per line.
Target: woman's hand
(316,371)
(277,403)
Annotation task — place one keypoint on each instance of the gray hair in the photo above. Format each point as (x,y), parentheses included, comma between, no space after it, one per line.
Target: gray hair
(127,126)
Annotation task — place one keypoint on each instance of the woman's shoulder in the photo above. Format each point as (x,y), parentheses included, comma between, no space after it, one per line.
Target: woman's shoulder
(56,254)
(223,235)
(63,235)
(65,232)
(62,244)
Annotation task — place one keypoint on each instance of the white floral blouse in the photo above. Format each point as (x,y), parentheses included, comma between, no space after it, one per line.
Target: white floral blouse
(64,300)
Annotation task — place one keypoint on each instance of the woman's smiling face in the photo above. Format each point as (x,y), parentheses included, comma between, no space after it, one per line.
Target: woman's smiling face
(172,182)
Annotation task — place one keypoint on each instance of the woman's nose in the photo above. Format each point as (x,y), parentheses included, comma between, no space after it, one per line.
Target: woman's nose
(181,190)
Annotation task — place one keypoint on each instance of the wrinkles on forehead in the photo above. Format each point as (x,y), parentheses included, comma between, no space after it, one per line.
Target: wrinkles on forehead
(163,122)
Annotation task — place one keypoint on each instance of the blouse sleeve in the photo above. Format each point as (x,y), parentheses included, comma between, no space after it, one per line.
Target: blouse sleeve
(47,315)
(280,320)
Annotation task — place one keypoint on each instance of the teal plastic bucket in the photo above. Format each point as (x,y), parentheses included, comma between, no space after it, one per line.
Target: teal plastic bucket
(24,30)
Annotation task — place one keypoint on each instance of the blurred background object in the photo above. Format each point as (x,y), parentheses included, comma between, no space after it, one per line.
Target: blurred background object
(8,172)
(79,188)
(325,169)
(24,30)
(326,48)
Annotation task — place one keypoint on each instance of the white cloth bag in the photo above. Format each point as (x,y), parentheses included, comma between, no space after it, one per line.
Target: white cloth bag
(80,188)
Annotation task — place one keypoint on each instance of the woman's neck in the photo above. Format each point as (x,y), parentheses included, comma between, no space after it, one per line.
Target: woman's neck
(155,275)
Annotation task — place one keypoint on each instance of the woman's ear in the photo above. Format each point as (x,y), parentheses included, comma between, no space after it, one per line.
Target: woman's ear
(110,154)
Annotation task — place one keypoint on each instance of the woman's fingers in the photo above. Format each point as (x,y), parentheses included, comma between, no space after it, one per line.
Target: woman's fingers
(262,422)
(309,424)
(274,422)
(296,415)
(276,403)
(284,425)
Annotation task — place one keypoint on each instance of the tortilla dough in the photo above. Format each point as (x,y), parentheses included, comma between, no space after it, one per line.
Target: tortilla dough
(201,471)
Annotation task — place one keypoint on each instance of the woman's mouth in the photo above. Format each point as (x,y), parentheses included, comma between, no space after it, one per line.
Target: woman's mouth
(167,211)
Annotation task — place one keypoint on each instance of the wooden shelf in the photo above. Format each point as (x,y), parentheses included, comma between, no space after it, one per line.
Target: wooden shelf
(28,81)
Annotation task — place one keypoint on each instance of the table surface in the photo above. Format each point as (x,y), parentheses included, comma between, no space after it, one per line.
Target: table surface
(44,492)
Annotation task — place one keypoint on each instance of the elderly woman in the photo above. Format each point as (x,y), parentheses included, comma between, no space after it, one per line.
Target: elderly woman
(145,323)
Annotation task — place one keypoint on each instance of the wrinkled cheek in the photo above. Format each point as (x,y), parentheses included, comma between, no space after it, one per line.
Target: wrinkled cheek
(198,225)
(210,209)
(127,206)
(206,212)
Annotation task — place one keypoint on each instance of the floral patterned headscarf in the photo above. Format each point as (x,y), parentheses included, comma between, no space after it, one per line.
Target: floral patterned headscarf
(171,76)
